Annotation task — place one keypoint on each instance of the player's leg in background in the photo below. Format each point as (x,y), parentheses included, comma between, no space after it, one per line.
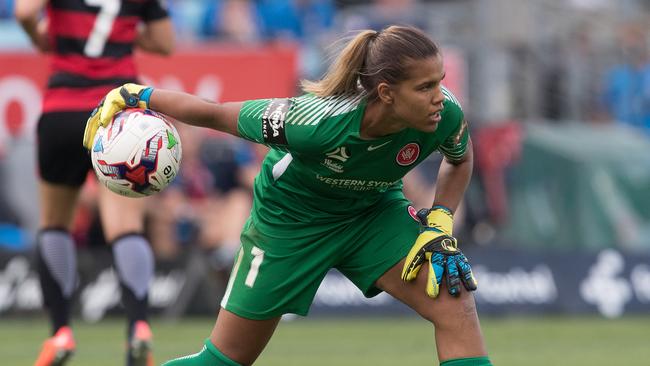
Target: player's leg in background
(123,225)
(57,268)
(457,331)
(57,263)
(234,341)
(63,165)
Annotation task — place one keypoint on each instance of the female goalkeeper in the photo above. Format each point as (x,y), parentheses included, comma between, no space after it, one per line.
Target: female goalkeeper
(329,194)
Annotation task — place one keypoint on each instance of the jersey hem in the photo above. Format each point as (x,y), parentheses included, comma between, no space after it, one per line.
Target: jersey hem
(371,290)
(257,316)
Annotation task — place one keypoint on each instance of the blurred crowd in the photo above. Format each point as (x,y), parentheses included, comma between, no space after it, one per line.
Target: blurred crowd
(584,61)
(580,60)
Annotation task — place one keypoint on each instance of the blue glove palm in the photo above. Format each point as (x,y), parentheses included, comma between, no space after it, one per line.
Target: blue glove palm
(436,246)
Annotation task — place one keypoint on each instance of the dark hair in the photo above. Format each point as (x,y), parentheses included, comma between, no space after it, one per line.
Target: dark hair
(373,57)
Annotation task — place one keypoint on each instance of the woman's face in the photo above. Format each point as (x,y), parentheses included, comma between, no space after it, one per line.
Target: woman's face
(417,101)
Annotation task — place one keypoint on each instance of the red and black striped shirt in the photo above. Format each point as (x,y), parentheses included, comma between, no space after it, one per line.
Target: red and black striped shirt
(92,48)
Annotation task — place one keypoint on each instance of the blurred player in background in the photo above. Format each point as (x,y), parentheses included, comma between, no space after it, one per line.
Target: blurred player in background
(329,194)
(91,44)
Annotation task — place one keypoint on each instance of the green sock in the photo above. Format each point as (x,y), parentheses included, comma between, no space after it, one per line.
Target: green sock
(208,356)
(470,361)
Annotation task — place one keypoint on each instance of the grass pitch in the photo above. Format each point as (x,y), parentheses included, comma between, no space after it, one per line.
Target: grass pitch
(546,341)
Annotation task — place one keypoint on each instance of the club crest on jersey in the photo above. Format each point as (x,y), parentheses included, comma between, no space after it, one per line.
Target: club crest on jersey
(273,120)
(334,159)
(408,154)
(413,213)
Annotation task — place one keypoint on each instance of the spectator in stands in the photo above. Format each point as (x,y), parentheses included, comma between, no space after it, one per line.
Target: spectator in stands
(5,212)
(267,20)
(627,84)
(6,9)
(307,22)
(377,14)
(233,166)
(582,62)
(229,20)
(300,20)
(8,215)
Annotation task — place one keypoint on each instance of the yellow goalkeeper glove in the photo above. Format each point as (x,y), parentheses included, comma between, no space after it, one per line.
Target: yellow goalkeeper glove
(439,248)
(126,96)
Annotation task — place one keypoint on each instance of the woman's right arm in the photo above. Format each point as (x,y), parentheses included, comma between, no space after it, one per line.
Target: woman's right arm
(28,12)
(181,106)
(195,111)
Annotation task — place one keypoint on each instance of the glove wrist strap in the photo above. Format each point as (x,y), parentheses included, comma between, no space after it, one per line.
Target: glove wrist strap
(444,208)
(145,95)
(441,218)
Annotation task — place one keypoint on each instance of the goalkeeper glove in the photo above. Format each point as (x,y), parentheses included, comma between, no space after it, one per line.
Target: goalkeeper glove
(126,96)
(436,245)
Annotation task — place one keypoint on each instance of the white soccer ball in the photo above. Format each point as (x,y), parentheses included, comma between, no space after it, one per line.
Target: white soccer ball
(137,154)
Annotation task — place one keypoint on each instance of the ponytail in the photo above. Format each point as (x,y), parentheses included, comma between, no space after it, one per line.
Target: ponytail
(343,75)
(372,58)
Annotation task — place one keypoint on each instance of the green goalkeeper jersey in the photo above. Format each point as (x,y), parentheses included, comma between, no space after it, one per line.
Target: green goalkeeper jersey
(320,171)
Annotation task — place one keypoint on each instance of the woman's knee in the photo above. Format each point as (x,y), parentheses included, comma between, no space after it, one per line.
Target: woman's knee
(447,311)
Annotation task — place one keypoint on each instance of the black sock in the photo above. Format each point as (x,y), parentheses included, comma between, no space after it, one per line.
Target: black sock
(57,270)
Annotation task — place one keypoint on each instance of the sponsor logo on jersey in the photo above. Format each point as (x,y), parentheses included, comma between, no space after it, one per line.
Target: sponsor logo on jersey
(357,184)
(273,121)
(334,159)
(408,154)
(375,147)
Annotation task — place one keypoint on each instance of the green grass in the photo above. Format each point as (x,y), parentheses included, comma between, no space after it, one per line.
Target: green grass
(545,341)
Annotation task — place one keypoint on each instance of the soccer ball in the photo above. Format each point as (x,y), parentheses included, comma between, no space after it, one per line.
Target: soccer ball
(137,154)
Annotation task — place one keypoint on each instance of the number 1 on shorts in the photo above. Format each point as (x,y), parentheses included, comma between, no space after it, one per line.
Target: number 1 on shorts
(258,257)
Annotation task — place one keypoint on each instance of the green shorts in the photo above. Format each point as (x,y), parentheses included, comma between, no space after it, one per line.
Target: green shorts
(273,276)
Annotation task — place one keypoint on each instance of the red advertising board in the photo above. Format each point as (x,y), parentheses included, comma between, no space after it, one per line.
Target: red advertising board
(225,74)
(218,73)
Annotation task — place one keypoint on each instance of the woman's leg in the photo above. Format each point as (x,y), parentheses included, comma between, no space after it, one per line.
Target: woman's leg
(56,252)
(57,267)
(120,215)
(457,330)
(123,225)
(241,339)
(234,341)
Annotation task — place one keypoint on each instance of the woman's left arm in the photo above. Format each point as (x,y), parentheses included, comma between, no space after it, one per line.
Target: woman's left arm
(453,179)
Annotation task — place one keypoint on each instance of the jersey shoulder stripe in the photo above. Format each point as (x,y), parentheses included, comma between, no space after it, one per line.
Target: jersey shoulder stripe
(309,109)
(455,153)
(253,108)
(450,97)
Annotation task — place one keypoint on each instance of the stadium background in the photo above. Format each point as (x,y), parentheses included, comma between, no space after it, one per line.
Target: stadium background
(556,221)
